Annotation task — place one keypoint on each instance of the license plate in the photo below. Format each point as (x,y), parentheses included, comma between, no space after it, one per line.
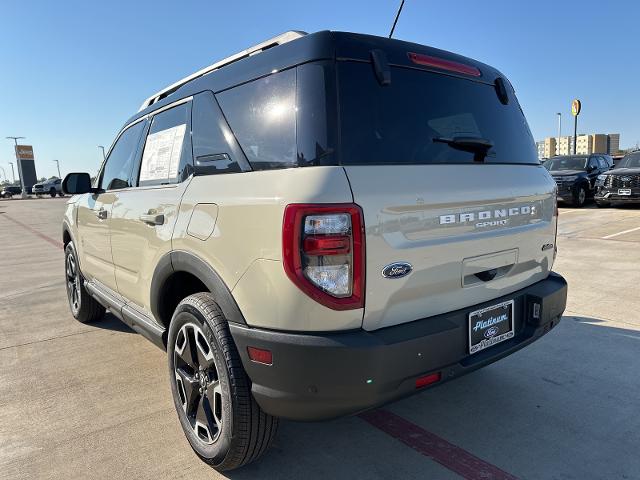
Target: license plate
(490,326)
(624,191)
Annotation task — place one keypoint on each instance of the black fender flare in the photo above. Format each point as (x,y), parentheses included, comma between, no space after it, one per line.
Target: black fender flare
(67,229)
(182,261)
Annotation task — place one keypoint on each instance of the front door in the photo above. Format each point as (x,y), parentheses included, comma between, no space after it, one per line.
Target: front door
(94,246)
(95,210)
(144,216)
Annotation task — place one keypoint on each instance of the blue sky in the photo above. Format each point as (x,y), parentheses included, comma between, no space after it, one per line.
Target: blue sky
(73,71)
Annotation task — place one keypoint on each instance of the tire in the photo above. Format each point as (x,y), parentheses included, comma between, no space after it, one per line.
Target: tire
(234,430)
(580,197)
(52,192)
(83,306)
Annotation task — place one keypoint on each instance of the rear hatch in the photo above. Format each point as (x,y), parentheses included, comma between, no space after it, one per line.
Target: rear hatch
(443,164)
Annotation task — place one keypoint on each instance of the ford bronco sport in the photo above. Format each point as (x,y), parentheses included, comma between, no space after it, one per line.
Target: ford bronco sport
(316,226)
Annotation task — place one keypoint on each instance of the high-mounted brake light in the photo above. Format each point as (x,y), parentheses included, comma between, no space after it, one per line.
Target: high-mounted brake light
(442,64)
(323,252)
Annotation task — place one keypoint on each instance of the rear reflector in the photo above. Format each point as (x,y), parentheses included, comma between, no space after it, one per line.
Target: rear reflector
(427,380)
(441,63)
(260,355)
(327,244)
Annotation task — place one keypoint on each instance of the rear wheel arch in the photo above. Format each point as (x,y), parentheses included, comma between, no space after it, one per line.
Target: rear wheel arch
(180,274)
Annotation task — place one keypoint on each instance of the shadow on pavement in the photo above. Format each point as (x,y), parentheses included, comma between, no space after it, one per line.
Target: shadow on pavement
(564,407)
(111,322)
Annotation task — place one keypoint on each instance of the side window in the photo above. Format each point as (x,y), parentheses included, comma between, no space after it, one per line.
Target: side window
(593,163)
(603,163)
(116,172)
(215,149)
(167,151)
(262,115)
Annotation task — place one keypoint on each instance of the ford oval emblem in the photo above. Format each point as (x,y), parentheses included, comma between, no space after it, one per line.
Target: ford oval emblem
(397,270)
(492,332)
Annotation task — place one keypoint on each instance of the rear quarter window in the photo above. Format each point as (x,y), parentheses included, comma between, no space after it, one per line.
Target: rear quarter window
(262,115)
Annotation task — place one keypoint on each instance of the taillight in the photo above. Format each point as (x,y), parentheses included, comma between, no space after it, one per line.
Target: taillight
(323,252)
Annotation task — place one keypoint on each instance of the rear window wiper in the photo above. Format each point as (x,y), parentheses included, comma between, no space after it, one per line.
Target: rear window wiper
(476,145)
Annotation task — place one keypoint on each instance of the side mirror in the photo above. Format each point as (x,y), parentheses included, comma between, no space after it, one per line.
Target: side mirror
(591,168)
(77,183)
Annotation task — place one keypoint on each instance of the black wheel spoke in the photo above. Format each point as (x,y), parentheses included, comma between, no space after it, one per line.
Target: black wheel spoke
(187,352)
(204,416)
(214,395)
(190,389)
(203,351)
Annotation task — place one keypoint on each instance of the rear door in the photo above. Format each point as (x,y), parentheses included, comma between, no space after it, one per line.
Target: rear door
(145,214)
(95,210)
(473,222)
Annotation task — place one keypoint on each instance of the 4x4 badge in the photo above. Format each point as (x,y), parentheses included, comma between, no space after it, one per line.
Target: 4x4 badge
(397,270)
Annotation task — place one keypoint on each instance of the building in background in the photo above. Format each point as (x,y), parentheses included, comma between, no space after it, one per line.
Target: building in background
(586,144)
(613,143)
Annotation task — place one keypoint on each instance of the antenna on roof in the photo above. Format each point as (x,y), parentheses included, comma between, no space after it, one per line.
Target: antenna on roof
(396,19)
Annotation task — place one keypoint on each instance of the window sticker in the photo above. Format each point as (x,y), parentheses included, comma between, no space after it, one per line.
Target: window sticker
(162,152)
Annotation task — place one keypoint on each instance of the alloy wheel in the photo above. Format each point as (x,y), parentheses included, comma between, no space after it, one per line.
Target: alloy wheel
(198,383)
(73,283)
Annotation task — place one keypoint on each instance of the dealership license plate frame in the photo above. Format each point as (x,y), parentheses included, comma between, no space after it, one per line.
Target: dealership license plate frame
(502,335)
(624,191)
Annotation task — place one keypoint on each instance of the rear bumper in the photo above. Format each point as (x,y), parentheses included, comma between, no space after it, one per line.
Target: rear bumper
(320,376)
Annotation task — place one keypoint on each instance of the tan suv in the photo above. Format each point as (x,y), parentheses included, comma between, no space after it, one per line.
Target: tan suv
(316,226)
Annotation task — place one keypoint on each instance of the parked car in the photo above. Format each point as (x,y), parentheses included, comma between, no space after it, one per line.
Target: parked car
(53,187)
(316,226)
(620,185)
(7,191)
(576,176)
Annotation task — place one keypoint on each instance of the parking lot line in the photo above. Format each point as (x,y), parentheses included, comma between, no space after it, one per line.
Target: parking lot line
(621,233)
(451,456)
(47,238)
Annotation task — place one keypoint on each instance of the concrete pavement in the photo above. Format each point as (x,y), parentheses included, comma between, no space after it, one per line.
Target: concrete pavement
(80,401)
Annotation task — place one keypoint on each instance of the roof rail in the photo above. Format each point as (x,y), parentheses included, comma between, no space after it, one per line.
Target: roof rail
(272,42)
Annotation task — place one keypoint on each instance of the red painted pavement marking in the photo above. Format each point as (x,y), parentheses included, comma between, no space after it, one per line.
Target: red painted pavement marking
(454,458)
(46,238)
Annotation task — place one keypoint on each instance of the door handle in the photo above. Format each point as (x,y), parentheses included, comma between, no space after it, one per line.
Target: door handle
(152,219)
(101,214)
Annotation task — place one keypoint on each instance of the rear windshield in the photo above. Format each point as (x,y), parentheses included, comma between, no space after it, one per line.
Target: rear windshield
(397,123)
(630,161)
(566,163)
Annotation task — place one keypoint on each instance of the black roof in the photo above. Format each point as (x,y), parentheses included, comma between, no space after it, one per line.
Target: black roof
(324,45)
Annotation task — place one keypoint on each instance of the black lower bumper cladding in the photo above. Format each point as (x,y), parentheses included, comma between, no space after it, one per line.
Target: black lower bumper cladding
(318,376)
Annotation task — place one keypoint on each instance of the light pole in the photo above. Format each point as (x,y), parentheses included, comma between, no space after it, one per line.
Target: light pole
(13,174)
(104,157)
(24,190)
(559,132)
(58,164)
